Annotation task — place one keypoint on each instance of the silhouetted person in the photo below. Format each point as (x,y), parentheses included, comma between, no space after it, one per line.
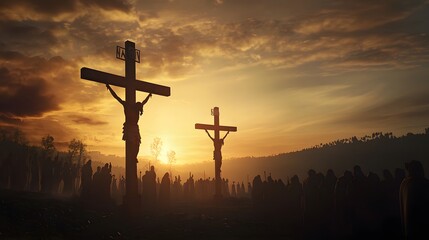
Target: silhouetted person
(96,185)
(249,190)
(225,187)
(312,204)
(189,188)
(132,112)
(35,175)
(46,175)
(257,191)
(105,182)
(121,187)
(359,195)
(233,191)
(67,178)
(86,180)
(164,191)
(414,202)
(343,204)
(149,188)
(56,174)
(294,201)
(114,189)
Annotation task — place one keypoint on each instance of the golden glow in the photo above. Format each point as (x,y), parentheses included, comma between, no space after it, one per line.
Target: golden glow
(290,77)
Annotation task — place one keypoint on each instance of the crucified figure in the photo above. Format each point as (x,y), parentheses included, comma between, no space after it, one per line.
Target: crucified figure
(130,130)
(217,153)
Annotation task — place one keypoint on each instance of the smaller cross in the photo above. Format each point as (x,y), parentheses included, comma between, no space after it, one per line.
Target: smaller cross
(218,143)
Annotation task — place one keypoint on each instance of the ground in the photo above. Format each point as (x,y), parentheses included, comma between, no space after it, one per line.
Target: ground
(40,216)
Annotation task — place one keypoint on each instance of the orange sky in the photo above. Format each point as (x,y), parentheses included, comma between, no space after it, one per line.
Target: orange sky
(288,74)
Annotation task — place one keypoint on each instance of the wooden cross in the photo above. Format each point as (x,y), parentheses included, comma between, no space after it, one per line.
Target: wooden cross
(130,55)
(217,142)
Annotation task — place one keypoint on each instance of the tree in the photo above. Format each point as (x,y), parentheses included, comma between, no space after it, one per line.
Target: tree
(14,135)
(156,147)
(77,150)
(171,157)
(48,143)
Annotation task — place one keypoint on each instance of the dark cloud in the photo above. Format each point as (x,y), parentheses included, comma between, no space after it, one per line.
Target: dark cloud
(39,127)
(28,36)
(121,5)
(50,7)
(86,120)
(54,8)
(8,120)
(24,97)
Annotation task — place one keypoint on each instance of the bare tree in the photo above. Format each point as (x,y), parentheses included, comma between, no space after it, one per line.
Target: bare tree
(156,148)
(171,160)
(171,157)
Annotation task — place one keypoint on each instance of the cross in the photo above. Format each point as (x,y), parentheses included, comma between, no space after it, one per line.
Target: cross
(130,55)
(217,142)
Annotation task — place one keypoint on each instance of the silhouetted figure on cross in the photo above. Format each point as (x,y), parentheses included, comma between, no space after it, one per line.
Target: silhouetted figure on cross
(217,153)
(131,130)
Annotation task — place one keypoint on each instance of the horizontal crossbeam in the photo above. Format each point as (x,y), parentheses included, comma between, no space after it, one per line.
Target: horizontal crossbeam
(112,79)
(213,127)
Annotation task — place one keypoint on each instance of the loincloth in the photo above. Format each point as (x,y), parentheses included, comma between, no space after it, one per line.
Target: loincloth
(131,132)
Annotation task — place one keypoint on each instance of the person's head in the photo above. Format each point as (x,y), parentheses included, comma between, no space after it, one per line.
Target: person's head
(139,106)
(387,175)
(152,168)
(330,173)
(399,174)
(415,169)
(294,179)
(311,173)
(357,171)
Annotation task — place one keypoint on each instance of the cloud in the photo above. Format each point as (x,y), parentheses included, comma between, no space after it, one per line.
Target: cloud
(399,111)
(8,120)
(23,97)
(86,120)
(43,9)
(43,6)
(121,5)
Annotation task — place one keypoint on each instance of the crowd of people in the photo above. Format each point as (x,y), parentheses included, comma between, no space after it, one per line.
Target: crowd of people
(322,205)
(24,168)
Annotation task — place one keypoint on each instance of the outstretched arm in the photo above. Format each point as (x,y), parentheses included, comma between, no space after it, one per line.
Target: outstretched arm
(114,94)
(147,98)
(225,135)
(209,134)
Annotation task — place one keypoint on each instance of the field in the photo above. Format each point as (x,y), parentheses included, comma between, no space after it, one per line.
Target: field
(38,216)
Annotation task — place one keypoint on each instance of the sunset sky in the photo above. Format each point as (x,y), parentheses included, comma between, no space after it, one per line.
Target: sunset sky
(288,74)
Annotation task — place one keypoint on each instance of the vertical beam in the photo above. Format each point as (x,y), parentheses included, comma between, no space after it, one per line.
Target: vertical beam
(131,198)
(218,160)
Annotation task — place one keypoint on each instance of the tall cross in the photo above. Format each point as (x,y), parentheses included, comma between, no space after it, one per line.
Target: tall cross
(130,55)
(217,142)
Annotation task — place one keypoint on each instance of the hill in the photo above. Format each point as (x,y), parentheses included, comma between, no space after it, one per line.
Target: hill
(373,153)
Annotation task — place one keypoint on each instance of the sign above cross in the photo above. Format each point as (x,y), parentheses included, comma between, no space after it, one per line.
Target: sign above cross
(218,143)
(131,133)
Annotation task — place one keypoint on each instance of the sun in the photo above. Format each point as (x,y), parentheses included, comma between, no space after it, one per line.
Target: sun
(163,158)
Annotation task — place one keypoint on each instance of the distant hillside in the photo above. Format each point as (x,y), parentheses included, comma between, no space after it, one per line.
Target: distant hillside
(373,153)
